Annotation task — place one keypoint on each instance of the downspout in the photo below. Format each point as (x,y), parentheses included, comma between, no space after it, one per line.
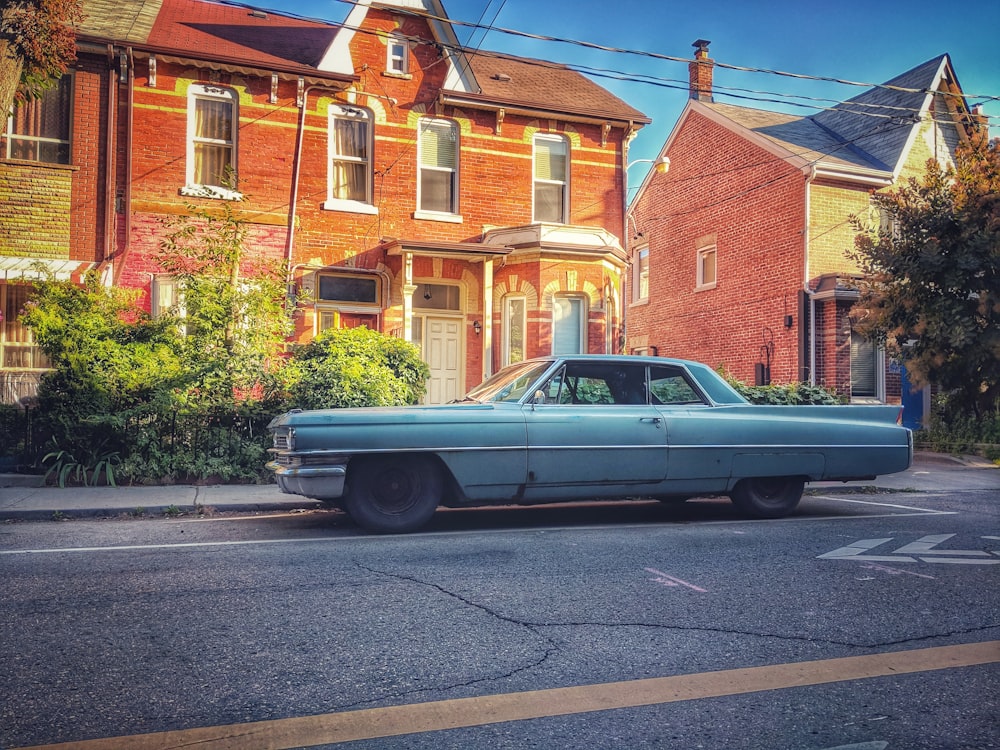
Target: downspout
(808,290)
(621,339)
(127,208)
(110,172)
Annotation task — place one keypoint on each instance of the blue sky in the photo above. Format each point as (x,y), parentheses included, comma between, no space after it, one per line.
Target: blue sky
(867,42)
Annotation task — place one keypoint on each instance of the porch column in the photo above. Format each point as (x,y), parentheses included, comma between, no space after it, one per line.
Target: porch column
(408,289)
(487,318)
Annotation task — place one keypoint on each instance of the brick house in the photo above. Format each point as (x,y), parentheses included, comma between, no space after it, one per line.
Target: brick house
(739,250)
(470,202)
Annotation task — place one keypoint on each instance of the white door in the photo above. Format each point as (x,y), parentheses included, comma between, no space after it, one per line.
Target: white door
(443,353)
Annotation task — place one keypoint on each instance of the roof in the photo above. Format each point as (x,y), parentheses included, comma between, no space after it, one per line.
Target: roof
(198,27)
(869,133)
(537,83)
(208,29)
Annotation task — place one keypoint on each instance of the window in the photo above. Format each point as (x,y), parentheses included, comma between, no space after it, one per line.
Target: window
(397,55)
(17,346)
(865,367)
(350,146)
(587,384)
(514,324)
(348,300)
(350,289)
(569,325)
(437,188)
(212,128)
(668,386)
(39,130)
(438,297)
(551,179)
(707,267)
(640,275)
(164,297)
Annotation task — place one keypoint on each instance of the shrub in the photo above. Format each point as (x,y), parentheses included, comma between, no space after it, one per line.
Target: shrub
(356,367)
(789,394)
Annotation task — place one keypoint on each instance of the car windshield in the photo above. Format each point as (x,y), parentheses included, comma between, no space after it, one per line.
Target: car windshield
(510,384)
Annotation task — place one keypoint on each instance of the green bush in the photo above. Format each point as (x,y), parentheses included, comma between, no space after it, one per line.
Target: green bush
(952,428)
(789,394)
(356,367)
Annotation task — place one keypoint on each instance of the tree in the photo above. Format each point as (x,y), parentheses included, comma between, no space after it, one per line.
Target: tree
(37,45)
(931,292)
(233,307)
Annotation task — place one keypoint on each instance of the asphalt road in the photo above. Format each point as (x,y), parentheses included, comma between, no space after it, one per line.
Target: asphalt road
(864,621)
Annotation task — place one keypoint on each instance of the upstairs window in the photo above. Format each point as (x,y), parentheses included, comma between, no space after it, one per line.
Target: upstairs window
(212,132)
(38,130)
(397,55)
(437,190)
(551,171)
(350,147)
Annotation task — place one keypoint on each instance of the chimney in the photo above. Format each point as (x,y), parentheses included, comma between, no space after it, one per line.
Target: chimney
(700,72)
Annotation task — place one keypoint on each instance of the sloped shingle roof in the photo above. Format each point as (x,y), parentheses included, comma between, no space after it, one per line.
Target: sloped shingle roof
(519,80)
(870,131)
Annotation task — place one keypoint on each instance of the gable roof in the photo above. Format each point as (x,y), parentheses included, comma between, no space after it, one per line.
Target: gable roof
(867,136)
(239,35)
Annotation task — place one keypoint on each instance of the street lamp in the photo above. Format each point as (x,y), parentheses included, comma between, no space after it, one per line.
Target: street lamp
(660,165)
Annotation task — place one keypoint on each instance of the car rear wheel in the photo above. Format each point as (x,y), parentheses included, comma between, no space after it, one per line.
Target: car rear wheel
(392,494)
(767,497)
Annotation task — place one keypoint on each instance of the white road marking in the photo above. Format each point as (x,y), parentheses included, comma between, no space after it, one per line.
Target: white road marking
(922,551)
(668,580)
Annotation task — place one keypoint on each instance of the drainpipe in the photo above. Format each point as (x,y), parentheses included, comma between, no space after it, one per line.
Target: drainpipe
(110,170)
(808,290)
(127,209)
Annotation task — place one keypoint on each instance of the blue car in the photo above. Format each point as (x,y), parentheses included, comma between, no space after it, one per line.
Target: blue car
(567,428)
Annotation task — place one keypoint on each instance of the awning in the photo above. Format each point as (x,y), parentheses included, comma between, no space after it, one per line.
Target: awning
(473,252)
(14,268)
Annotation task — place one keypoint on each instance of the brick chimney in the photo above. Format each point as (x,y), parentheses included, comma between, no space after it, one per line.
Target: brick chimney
(700,72)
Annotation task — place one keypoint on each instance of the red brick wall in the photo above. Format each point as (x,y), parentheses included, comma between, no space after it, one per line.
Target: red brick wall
(723,190)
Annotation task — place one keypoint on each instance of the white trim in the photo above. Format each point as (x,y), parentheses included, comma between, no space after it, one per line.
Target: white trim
(199,92)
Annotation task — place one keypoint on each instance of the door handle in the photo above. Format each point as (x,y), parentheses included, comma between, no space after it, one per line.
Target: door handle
(655,420)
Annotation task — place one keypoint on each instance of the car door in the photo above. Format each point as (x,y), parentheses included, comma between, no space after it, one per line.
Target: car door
(592,424)
(700,443)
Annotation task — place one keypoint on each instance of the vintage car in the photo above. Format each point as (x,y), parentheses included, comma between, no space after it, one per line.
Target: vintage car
(576,427)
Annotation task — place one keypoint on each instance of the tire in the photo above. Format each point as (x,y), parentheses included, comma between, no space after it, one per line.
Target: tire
(392,494)
(767,497)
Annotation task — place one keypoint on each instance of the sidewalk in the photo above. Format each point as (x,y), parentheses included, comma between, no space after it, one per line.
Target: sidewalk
(930,472)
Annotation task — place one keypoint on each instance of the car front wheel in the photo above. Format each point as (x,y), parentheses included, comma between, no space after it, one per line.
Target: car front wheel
(392,494)
(767,497)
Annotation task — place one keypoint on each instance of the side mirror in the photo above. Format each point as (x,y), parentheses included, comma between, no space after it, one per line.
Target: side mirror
(539,397)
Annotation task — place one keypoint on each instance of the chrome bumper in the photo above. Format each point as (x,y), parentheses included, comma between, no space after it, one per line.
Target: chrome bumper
(319,482)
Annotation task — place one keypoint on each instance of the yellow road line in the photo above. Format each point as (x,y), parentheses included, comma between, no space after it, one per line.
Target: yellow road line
(372,723)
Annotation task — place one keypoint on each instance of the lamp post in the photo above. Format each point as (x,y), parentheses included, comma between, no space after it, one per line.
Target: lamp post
(660,165)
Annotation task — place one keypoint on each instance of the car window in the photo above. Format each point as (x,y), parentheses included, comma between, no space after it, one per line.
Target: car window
(668,386)
(590,384)
(510,384)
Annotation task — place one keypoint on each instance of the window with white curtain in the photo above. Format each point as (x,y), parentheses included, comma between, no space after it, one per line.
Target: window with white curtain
(640,274)
(437,189)
(551,199)
(212,132)
(350,149)
(569,325)
(18,350)
(39,129)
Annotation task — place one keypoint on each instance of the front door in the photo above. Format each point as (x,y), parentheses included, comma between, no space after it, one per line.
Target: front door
(442,350)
